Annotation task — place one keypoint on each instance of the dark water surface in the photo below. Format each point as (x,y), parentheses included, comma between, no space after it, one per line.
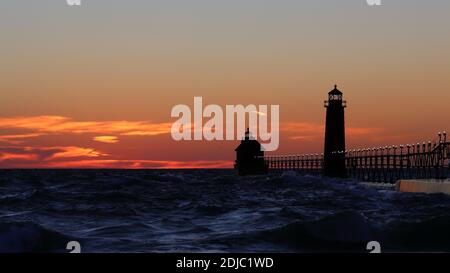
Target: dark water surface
(212,211)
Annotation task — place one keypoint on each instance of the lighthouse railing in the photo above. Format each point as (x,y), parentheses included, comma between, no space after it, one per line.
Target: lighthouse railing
(426,160)
(304,163)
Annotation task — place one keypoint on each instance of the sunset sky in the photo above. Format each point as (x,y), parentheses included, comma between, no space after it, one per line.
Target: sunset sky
(93,86)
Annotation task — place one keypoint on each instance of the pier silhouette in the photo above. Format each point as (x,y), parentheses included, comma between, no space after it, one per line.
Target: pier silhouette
(422,160)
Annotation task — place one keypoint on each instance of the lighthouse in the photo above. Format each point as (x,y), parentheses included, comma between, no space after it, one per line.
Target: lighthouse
(250,157)
(334,150)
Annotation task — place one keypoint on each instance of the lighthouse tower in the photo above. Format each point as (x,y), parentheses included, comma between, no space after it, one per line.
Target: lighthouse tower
(334,156)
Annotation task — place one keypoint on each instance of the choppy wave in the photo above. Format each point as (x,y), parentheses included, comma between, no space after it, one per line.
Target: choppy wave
(212,210)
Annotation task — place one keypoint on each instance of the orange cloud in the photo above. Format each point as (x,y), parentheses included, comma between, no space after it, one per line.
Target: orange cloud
(130,164)
(11,156)
(21,136)
(312,131)
(79,157)
(58,125)
(354,131)
(68,152)
(295,127)
(304,138)
(36,154)
(46,154)
(33,155)
(17,139)
(107,139)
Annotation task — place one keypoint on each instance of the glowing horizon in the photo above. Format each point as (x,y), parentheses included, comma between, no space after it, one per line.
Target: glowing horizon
(93,86)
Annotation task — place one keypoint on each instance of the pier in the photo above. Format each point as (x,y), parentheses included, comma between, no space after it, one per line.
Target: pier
(378,164)
(387,164)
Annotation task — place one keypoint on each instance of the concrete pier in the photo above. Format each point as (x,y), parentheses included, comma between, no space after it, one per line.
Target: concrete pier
(424,185)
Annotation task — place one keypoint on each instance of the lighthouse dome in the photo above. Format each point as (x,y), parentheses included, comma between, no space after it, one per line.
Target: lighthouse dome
(335,91)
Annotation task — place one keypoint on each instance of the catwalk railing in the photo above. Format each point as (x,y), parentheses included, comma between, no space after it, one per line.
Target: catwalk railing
(381,164)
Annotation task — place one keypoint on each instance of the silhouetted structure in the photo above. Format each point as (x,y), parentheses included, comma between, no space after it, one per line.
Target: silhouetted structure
(250,157)
(429,160)
(390,163)
(382,164)
(334,158)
